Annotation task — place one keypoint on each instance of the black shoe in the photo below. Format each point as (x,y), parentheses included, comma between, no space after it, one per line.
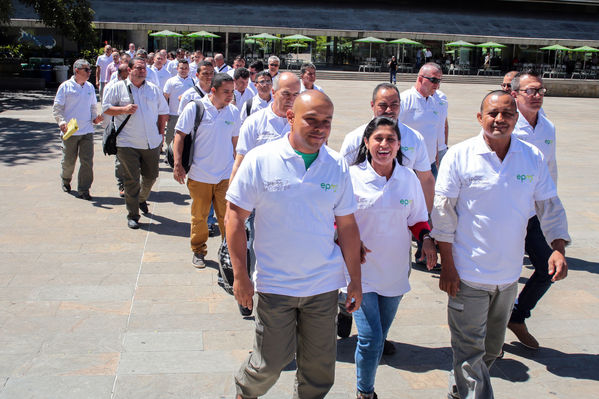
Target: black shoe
(121,191)
(133,224)
(388,348)
(344,325)
(245,312)
(213,230)
(197,260)
(84,196)
(143,206)
(66,187)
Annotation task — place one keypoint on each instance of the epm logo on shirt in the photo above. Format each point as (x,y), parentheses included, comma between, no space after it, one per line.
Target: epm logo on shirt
(405,148)
(406,202)
(548,141)
(328,186)
(229,122)
(525,178)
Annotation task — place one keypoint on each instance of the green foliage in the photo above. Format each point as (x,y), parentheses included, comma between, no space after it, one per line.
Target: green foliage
(91,54)
(11,51)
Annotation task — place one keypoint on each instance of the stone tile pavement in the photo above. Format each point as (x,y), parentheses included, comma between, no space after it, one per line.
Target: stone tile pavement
(92,309)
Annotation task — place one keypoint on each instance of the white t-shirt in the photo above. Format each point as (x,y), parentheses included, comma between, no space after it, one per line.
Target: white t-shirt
(260,128)
(541,136)
(295,215)
(103,62)
(190,95)
(175,87)
(162,74)
(77,101)
(193,69)
(224,68)
(152,76)
(316,87)
(413,147)
(213,148)
(426,116)
(257,104)
(386,209)
(240,99)
(171,67)
(494,202)
(141,131)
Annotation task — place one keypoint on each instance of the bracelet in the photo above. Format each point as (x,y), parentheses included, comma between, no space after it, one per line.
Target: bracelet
(424,237)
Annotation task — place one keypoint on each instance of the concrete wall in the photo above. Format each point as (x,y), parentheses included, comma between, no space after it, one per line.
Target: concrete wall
(572,87)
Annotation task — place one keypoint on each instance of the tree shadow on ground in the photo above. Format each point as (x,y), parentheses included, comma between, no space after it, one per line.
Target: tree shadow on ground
(570,365)
(24,142)
(17,100)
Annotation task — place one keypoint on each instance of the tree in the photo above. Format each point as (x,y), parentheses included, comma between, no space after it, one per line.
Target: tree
(71,18)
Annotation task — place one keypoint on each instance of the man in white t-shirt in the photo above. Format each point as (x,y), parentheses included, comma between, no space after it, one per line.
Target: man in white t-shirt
(534,128)
(424,109)
(299,188)
(160,70)
(263,97)
(171,67)
(102,64)
(138,144)
(131,50)
(203,83)
(213,156)
(198,57)
(487,189)
(76,98)
(219,64)
(241,77)
(173,89)
(308,77)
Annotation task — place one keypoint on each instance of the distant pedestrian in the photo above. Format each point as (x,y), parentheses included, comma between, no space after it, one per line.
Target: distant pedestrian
(392,69)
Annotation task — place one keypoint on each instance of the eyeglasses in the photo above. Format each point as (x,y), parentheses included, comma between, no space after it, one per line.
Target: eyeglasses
(434,81)
(84,69)
(506,85)
(264,83)
(531,91)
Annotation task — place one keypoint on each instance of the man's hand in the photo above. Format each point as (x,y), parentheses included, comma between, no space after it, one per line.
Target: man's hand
(558,267)
(450,279)
(354,296)
(244,291)
(430,252)
(363,251)
(98,119)
(63,127)
(179,173)
(130,109)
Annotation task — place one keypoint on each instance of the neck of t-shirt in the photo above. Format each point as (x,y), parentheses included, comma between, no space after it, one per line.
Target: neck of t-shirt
(308,158)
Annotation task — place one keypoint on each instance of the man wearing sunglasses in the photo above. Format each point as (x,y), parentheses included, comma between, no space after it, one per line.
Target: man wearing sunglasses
(534,128)
(274,63)
(76,99)
(506,85)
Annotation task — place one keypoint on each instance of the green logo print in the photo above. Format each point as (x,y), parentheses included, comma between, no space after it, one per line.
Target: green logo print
(327,187)
(405,148)
(548,141)
(525,178)
(405,202)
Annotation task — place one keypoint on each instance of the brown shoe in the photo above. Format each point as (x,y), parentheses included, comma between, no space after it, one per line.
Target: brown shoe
(525,338)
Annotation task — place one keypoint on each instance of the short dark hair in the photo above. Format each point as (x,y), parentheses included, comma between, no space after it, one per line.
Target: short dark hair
(219,79)
(183,61)
(239,57)
(241,73)
(498,93)
(305,67)
(382,86)
(204,63)
(263,73)
(137,59)
(363,153)
(529,72)
(257,65)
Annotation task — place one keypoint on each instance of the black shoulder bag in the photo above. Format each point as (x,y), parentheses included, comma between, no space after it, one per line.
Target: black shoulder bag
(111,132)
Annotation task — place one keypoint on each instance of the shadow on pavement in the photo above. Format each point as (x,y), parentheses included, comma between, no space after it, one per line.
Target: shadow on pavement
(25,100)
(580,264)
(170,197)
(23,142)
(165,226)
(572,365)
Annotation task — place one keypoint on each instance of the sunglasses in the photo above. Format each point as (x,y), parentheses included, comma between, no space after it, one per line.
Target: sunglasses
(84,69)
(275,65)
(432,80)
(506,85)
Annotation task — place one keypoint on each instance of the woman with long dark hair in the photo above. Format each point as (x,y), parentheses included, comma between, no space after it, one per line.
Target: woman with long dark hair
(391,207)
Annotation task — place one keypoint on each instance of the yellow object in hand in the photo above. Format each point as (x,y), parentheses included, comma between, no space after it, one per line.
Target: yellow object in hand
(72,127)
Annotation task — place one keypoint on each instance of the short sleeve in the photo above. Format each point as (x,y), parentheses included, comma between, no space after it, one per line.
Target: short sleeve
(448,182)
(237,123)
(98,62)
(186,119)
(162,104)
(168,86)
(110,97)
(185,99)
(421,163)
(346,202)
(243,190)
(349,148)
(243,145)
(418,210)
(545,188)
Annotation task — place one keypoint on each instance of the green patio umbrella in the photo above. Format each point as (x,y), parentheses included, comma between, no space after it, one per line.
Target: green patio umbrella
(167,34)
(460,43)
(370,40)
(491,45)
(297,46)
(556,48)
(264,36)
(585,49)
(203,35)
(299,38)
(403,41)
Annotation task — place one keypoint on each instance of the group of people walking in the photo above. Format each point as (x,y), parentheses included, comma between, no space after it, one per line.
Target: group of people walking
(322,222)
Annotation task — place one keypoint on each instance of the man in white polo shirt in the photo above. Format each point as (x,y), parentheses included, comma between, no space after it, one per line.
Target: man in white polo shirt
(160,69)
(151,76)
(102,64)
(138,144)
(308,77)
(241,77)
(131,50)
(173,89)
(299,188)
(487,189)
(274,63)
(213,156)
(171,67)
(203,83)
(219,64)
(198,56)
(238,62)
(424,109)
(534,128)
(262,99)
(76,98)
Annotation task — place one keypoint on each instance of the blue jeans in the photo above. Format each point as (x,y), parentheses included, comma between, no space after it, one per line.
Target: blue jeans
(373,321)
(392,76)
(537,285)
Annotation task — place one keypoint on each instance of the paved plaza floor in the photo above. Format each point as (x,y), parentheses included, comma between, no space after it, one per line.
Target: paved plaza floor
(91,309)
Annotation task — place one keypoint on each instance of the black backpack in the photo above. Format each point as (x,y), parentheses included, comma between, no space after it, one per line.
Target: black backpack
(187,156)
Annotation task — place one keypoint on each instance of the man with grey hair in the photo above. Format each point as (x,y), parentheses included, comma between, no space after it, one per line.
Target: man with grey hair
(219,64)
(102,64)
(308,77)
(274,63)
(76,99)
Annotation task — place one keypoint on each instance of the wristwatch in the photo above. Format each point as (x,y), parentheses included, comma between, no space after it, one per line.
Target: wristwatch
(427,235)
